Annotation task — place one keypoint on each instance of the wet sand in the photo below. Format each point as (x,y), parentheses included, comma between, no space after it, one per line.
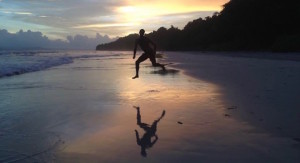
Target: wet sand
(258,88)
(84,112)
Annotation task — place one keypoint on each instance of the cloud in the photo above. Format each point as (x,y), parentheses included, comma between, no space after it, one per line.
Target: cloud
(84,42)
(106,25)
(57,15)
(111,17)
(23,13)
(36,40)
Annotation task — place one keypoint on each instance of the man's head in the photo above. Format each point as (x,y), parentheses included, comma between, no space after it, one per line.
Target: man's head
(142,32)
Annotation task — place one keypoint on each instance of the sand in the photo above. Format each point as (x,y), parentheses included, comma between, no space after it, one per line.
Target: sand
(259,88)
(86,112)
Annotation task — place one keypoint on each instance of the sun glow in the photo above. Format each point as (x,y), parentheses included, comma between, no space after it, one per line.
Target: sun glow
(141,12)
(106,25)
(127,9)
(136,14)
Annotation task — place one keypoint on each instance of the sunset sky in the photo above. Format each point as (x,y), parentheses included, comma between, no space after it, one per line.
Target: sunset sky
(59,18)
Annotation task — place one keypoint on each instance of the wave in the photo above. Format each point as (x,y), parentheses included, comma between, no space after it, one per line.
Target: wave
(26,53)
(17,63)
(17,69)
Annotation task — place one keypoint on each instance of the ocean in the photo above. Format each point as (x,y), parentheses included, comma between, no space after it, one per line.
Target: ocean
(20,62)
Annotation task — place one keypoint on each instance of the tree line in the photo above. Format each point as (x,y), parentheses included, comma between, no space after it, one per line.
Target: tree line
(242,25)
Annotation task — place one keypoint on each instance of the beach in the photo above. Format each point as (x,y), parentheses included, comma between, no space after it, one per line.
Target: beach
(263,87)
(84,107)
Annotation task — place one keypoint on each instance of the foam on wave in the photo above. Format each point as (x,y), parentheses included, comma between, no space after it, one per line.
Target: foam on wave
(16,63)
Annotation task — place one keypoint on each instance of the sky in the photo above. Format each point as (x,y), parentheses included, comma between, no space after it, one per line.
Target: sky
(58,19)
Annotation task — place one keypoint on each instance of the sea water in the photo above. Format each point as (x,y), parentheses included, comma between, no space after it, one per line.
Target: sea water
(19,62)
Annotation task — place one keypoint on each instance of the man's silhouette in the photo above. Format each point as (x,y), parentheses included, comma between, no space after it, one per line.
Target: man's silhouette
(150,131)
(149,48)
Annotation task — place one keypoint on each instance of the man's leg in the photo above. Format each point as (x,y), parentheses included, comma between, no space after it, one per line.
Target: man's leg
(138,120)
(154,63)
(142,58)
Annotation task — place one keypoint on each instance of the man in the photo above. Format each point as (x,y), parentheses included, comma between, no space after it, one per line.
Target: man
(149,49)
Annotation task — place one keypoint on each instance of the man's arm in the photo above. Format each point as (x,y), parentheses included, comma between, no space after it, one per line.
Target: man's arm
(152,143)
(135,47)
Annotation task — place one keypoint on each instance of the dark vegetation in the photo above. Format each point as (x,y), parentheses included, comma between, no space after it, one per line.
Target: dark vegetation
(242,25)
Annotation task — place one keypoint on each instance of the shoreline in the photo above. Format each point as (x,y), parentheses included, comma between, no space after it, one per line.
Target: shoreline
(259,91)
(268,55)
(292,56)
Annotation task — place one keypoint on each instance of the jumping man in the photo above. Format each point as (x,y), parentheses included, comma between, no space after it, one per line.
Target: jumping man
(149,48)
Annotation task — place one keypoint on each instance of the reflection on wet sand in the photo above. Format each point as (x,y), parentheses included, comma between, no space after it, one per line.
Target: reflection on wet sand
(150,131)
(165,72)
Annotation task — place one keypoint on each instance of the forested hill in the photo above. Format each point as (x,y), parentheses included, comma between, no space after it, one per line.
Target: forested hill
(246,25)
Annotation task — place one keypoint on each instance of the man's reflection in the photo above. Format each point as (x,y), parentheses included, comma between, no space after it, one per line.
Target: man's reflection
(150,131)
